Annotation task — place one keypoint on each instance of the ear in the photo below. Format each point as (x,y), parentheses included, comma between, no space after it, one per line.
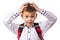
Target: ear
(21,15)
(36,15)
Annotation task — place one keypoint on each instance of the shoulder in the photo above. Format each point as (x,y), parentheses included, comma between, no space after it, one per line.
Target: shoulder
(37,24)
(21,26)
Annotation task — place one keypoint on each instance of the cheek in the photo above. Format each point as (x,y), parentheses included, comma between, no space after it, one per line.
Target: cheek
(33,19)
(25,19)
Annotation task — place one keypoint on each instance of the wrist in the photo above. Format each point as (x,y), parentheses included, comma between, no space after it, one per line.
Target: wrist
(39,10)
(42,11)
(19,12)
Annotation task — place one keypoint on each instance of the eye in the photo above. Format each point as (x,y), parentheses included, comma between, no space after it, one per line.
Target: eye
(26,16)
(32,16)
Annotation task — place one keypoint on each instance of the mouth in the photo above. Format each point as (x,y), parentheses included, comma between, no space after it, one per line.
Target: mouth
(29,22)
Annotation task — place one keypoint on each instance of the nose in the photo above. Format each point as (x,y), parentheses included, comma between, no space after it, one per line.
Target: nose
(29,19)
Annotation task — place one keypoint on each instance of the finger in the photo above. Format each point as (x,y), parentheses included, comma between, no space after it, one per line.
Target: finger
(25,4)
(33,3)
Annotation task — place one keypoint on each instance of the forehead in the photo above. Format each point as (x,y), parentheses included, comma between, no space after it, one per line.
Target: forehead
(29,13)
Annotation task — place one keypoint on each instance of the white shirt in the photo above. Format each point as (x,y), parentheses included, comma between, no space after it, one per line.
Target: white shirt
(33,34)
(29,33)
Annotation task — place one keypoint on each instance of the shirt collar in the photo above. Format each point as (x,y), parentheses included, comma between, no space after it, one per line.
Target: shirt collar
(26,25)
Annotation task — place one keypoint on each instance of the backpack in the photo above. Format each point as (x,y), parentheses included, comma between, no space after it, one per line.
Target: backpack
(38,30)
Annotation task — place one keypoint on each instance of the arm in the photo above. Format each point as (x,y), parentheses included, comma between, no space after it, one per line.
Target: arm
(8,21)
(48,23)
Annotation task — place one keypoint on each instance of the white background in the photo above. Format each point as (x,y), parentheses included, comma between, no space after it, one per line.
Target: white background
(8,6)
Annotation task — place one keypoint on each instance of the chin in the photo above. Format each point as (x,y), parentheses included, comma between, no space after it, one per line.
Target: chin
(29,24)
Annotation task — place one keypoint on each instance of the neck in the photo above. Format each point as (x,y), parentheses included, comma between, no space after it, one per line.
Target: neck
(28,26)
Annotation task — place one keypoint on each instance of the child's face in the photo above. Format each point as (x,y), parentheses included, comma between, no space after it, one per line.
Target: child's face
(29,17)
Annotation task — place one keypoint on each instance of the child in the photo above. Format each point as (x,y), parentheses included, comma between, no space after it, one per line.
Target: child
(31,30)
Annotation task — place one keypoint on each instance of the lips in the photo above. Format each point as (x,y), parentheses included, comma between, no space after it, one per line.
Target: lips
(29,22)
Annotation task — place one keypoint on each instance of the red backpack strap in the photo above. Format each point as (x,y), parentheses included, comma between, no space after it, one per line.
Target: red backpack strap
(20,31)
(38,30)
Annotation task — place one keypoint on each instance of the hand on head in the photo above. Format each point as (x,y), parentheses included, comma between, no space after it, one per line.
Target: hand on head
(28,5)
(35,6)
